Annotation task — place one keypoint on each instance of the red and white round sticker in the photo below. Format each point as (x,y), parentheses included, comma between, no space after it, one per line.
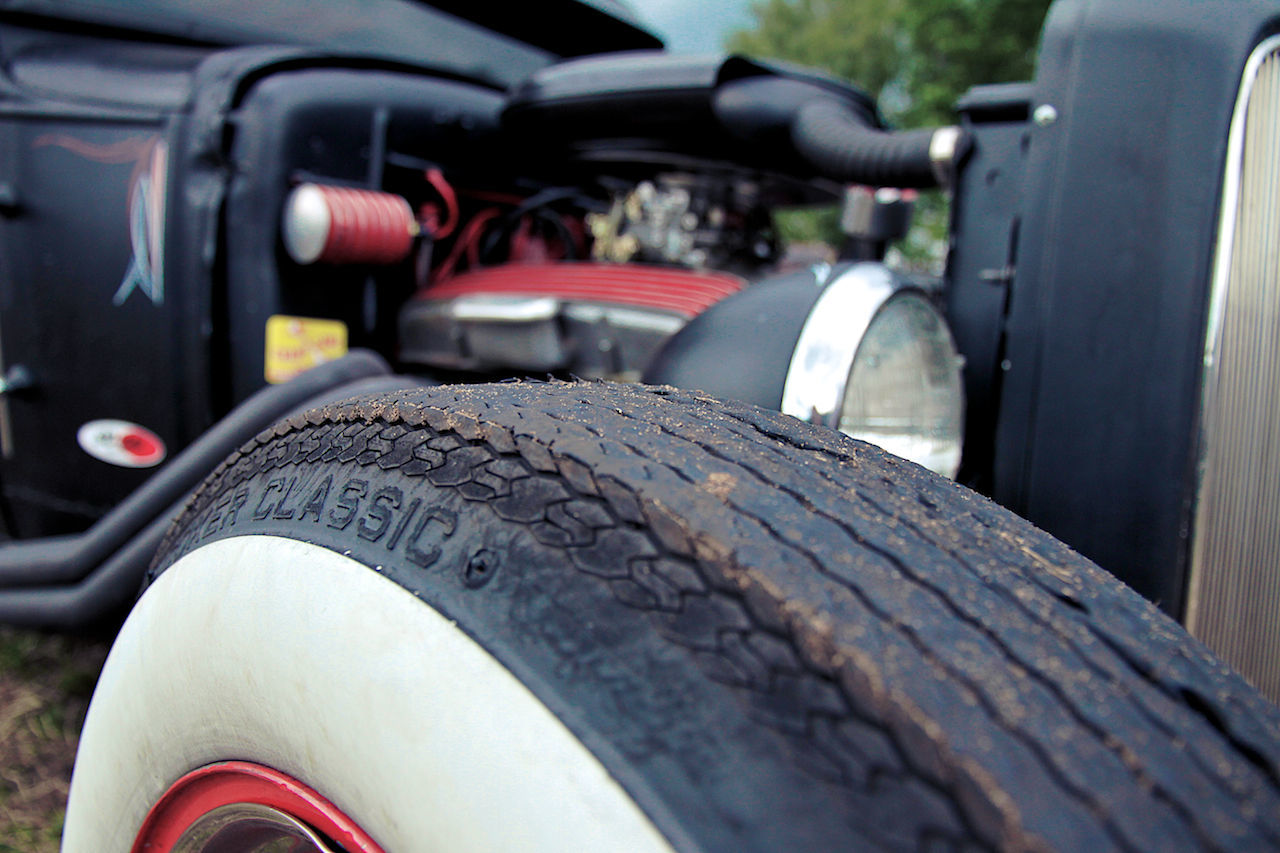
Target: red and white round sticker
(121,443)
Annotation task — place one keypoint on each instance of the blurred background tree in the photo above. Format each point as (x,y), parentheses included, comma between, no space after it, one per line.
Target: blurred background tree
(955,44)
(916,56)
(859,40)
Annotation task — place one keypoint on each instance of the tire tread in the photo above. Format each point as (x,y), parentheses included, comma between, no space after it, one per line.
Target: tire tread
(919,642)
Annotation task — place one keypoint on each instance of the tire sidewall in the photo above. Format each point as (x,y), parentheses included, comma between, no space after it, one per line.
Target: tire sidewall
(271,650)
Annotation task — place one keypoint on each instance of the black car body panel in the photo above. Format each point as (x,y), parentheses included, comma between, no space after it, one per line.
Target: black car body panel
(84,308)
(1098,414)
(147,151)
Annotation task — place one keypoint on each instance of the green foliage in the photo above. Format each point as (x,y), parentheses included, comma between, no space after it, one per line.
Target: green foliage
(918,55)
(15,649)
(809,225)
(45,682)
(853,39)
(955,44)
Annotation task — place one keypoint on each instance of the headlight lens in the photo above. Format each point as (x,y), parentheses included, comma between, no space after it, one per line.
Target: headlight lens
(903,392)
(876,361)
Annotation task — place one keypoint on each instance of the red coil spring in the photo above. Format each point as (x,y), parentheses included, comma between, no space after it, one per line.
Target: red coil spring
(339,225)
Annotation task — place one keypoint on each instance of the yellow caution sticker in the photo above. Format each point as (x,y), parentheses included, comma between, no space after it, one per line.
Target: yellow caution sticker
(297,344)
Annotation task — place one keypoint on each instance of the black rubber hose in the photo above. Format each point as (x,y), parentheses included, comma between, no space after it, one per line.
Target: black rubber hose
(109,587)
(836,142)
(67,559)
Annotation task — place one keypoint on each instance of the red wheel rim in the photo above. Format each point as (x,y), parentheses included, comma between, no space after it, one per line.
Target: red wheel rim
(231,782)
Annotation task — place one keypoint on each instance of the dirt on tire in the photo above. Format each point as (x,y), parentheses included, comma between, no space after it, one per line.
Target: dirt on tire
(942,670)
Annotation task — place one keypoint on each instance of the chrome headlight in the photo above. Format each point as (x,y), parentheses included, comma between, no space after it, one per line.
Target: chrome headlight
(876,360)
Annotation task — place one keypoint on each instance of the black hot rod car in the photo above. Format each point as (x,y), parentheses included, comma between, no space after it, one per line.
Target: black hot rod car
(267,271)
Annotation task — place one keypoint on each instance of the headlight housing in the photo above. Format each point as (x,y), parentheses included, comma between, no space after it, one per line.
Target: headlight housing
(876,360)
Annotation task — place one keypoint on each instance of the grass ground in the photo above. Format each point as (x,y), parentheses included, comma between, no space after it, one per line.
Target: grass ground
(45,684)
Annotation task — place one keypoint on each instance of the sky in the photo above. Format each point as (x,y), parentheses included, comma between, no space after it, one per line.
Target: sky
(693,26)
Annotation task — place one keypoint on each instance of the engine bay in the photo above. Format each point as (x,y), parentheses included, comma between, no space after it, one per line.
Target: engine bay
(642,197)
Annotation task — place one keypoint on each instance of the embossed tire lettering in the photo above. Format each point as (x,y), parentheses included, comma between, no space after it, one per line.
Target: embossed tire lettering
(759,635)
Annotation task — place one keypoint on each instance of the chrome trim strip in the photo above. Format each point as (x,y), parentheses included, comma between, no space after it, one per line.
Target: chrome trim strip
(1233,588)
(1231,200)
(249,826)
(504,309)
(6,417)
(943,146)
(823,357)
